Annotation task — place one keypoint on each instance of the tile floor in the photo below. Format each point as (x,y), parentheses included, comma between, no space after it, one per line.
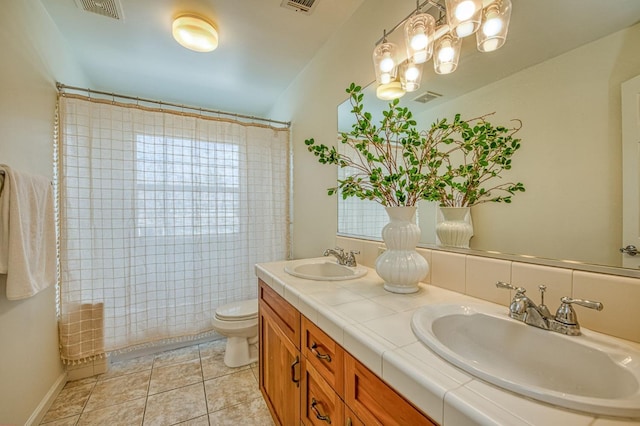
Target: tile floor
(188,386)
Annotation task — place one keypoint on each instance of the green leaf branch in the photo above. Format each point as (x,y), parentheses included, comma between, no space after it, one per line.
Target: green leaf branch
(396,165)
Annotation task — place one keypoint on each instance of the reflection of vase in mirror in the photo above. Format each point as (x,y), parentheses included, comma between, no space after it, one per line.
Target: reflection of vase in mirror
(401,266)
(454,227)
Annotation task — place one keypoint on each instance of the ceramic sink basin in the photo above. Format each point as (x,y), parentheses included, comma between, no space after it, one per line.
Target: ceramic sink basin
(323,270)
(592,373)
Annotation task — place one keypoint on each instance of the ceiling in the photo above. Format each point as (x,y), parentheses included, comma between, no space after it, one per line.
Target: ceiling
(264,46)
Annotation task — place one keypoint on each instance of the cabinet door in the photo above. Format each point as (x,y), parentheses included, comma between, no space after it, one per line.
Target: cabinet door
(280,368)
(374,402)
(321,406)
(351,418)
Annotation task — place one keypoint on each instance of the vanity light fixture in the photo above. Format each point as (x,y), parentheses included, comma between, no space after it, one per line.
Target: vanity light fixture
(437,34)
(195,33)
(495,24)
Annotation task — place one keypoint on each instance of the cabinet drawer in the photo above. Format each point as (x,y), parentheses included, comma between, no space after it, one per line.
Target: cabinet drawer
(321,406)
(281,312)
(374,402)
(326,356)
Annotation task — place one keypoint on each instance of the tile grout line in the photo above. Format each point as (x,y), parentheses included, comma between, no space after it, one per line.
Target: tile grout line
(204,388)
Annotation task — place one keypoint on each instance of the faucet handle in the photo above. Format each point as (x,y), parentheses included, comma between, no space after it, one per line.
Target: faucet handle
(507,286)
(582,302)
(567,315)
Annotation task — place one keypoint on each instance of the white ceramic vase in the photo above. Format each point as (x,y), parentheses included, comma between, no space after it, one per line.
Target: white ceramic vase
(454,227)
(400,266)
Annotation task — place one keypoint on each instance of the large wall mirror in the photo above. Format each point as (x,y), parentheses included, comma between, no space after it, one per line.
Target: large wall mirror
(560,72)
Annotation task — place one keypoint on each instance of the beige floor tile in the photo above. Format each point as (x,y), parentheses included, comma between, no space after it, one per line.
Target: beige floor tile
(128,413)
(119,389)
(176,356)
(81,382)
(212,356)
(231,389)
(212,348)
(135,365)
(175,376)
(256,373)
(177,405)
(70,401)
(200,421)
(254,412)
(67,421)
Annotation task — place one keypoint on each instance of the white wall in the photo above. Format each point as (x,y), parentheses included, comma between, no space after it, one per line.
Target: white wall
(310,103)
(571,155)
(33,56)
(588,121)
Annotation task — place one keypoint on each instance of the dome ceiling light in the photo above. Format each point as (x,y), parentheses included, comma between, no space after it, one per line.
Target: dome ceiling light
(195,33)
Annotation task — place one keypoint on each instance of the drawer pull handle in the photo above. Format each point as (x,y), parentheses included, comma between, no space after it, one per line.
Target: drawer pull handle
(317,412)
(293,372)
(326,357)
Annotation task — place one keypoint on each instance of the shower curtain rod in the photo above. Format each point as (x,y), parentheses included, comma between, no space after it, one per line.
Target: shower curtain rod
(61,87)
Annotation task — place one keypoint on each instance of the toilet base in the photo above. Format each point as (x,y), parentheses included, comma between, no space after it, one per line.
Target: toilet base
(241,351)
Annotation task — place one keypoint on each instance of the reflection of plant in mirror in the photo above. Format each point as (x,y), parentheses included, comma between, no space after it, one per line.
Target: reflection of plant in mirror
(393,163)
(473,152)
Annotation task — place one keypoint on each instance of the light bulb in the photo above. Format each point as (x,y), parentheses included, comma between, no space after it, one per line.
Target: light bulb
(386,64)
(446,53)
(385,78)
(492,26)
(464,29)
(412,73)
(465,10)
(419,41)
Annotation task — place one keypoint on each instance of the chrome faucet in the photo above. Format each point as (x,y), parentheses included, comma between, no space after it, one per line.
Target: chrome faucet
(565,320)
(346,259)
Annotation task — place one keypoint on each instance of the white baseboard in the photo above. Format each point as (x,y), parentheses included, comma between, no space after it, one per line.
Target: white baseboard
(42,408)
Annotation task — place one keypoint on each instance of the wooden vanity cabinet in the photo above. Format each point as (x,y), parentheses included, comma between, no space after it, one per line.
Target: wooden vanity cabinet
(373,402)
(279,356)
(307,378)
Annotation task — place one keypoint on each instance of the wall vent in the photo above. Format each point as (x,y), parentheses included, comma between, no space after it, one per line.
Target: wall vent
(427,97)
(109,8)
(305,7)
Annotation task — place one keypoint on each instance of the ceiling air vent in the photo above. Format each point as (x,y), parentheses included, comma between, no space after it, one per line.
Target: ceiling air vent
(303,6)
(427,97)
(108,8)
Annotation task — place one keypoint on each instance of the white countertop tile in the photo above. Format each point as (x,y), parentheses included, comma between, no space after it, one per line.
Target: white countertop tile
(375,327)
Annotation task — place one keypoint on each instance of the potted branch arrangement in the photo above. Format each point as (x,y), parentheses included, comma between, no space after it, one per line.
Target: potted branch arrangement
(474,153)
(396,165)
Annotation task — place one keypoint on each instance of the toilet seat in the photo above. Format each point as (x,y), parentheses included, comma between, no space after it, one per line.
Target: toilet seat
(238,311)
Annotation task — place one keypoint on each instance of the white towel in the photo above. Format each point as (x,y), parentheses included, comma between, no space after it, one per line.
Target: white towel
(27,233)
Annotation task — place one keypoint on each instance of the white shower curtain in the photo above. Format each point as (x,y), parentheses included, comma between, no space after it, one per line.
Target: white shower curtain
(162,218)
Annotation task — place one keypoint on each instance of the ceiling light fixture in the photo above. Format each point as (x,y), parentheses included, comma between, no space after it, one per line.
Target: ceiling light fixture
(437,34)
(195,33)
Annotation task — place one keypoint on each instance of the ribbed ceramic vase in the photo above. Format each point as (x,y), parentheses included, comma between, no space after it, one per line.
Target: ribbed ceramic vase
(455,229)
(400,266)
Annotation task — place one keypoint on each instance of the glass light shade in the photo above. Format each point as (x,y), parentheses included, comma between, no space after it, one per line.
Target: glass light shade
(446,54)
(195,33)
(390,91)
(419,33)
(410,75)
(385,62)
(495,24)
(464,16)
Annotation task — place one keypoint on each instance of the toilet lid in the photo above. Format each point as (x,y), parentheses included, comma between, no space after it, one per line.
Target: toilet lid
(238,311)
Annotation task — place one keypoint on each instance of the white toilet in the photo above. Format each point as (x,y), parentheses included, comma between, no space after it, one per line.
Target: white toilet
(238,321)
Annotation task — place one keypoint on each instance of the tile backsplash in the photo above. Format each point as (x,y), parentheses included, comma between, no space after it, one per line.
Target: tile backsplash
(476,276)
